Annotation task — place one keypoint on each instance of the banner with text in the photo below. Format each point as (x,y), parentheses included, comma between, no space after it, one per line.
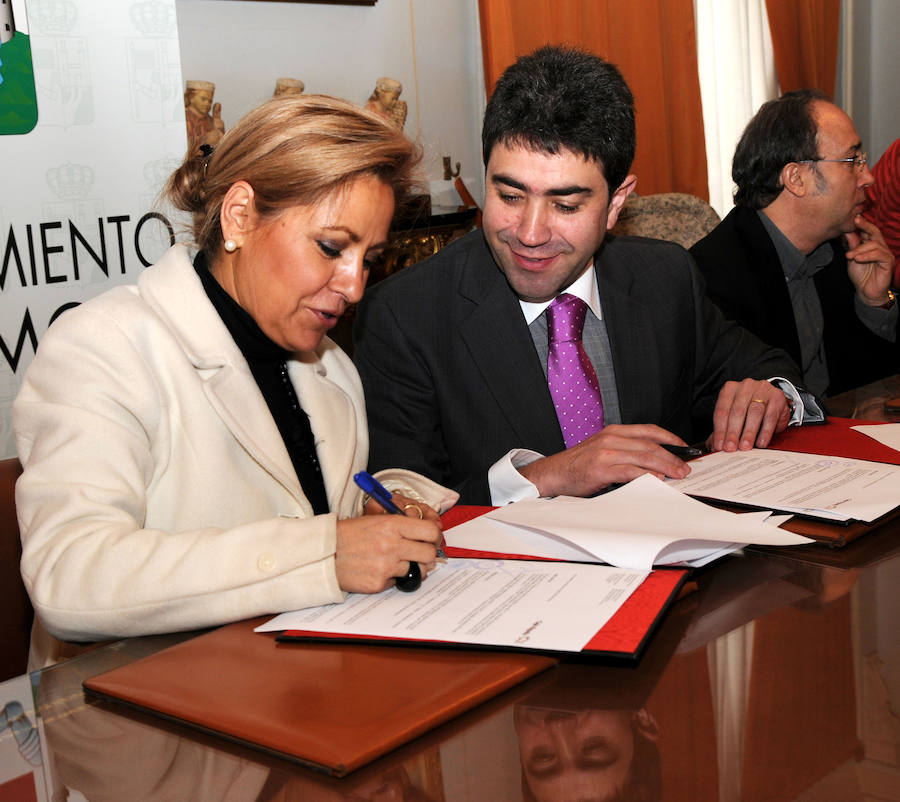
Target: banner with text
(91,125)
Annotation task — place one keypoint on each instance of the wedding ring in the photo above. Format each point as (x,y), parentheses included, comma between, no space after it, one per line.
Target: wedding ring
(757,401)
(415,507)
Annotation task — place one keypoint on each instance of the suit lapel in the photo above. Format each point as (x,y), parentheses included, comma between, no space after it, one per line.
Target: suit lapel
(629,325)
(173,289)
(236,399)
(504,357)
(780,326)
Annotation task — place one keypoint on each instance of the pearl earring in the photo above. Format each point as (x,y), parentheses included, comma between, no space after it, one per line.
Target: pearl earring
(230,245)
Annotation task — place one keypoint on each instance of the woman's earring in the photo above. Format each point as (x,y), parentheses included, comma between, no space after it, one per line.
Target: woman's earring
(230,245)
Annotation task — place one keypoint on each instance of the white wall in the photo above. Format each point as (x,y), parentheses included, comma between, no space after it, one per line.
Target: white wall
(431,46)
(874,66)
(882,85)
(110,128)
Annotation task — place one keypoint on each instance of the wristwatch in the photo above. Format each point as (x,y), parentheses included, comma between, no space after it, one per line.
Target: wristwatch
(892,298)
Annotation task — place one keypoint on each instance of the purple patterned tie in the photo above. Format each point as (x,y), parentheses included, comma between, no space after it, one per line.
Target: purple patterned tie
(570,374)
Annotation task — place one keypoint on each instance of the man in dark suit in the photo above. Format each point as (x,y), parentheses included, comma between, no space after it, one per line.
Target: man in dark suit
(779,262)
(453,352)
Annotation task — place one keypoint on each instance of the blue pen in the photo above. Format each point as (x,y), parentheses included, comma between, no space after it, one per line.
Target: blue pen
(369,484)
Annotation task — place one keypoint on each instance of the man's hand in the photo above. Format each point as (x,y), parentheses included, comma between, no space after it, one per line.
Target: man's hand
(614,455)
(748,413)
(870,263)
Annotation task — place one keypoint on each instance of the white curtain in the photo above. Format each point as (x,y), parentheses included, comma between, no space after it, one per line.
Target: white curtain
(737,75)
(729,659)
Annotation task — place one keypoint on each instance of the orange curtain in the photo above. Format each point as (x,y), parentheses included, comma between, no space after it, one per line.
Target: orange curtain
(651,41)
(805,41)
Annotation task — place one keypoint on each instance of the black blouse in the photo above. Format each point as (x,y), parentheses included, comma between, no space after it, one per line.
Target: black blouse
(268,364)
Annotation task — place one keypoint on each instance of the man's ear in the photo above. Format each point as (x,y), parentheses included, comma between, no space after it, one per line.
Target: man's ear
(794,179)
(617,201)
(645,724)
(238,214)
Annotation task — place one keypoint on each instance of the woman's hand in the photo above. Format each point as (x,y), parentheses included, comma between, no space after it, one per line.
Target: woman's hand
(374,550)
(410,507)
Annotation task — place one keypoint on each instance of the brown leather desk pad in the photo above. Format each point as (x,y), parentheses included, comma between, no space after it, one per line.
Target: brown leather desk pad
(330,707)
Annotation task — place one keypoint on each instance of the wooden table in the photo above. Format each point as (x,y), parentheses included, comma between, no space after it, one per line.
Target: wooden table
(778,679)
(878,401)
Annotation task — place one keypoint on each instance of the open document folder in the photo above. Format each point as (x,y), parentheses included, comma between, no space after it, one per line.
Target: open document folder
(832,488)
(510,604)
(514,603)
(641,524)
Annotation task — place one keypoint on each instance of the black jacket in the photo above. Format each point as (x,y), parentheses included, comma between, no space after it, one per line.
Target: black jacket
(453,381)
(745,279)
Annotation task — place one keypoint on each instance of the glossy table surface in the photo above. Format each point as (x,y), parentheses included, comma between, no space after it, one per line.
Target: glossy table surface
(879,401)
(777,679)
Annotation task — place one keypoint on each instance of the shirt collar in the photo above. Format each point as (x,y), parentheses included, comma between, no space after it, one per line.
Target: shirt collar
(584,287)
(794,262)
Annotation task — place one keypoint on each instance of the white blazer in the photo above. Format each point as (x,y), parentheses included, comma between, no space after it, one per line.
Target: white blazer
(157,493)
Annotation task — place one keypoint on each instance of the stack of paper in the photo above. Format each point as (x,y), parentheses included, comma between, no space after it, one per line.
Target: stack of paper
(516,603)
(834,488)
(641,524)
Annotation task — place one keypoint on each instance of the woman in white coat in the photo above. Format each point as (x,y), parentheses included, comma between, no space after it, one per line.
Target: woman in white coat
(189,442)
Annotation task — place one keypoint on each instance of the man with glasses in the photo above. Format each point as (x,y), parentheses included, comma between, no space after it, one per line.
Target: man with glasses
(795,261)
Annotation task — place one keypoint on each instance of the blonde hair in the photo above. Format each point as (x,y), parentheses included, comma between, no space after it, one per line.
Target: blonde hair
(294,150)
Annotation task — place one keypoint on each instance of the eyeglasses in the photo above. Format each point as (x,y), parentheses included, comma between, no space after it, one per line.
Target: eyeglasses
(858,162)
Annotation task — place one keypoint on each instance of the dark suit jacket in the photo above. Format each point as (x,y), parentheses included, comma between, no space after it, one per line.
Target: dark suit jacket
(452,379)
(745,279)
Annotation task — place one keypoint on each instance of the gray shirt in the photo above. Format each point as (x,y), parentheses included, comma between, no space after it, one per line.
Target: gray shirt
(799,270)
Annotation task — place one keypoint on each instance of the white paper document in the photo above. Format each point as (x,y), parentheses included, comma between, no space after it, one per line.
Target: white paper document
(885,433)
(643,523)
(835,488)
(539,605)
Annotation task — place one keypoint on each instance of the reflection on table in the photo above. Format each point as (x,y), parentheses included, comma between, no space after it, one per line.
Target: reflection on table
(878,401)
(777,679)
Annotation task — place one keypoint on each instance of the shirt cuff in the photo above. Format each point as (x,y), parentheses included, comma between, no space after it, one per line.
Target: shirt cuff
(506,483)
(804,407)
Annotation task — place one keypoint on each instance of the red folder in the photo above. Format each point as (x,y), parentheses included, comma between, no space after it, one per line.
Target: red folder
(837,439)
(624,636)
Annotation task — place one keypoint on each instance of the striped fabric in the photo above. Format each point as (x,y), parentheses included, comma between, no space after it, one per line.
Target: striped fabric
(884,197)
